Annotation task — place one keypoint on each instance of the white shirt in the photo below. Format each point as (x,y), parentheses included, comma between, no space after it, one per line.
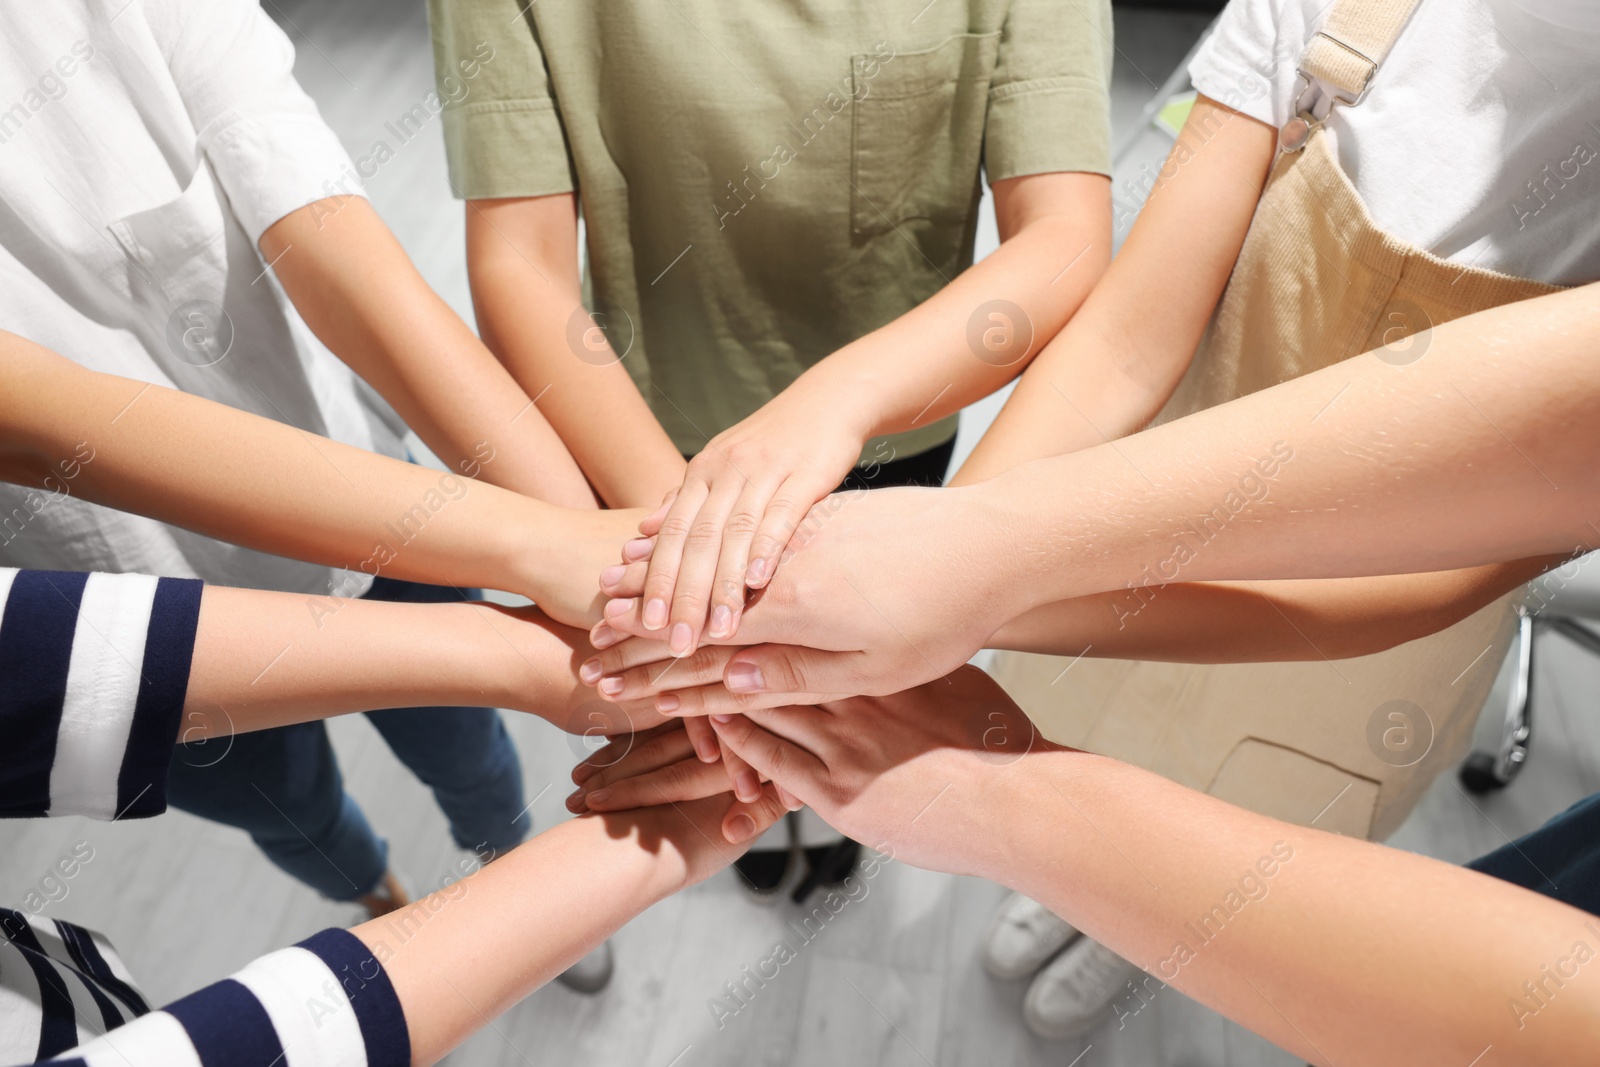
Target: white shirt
(1479,139)
(144,147)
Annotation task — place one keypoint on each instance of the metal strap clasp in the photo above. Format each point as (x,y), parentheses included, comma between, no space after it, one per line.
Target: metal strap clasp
(1323,96)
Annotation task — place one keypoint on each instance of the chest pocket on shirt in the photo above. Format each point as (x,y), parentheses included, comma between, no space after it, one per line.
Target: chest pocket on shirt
(178,247)
(918,132)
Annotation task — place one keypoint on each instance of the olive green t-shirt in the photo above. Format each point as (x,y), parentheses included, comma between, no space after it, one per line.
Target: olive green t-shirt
(765,181)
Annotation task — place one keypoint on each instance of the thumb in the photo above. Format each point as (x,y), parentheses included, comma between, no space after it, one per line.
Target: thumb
(745,821)
(792,670)
(650,525)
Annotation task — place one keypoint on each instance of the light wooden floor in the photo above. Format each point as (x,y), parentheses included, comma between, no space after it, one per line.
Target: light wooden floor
(892,980)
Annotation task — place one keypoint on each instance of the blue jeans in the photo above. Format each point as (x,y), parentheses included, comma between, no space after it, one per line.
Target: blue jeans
(283,786)
(1561,859)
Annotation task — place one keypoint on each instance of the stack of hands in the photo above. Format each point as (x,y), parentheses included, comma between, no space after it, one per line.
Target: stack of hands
(781,664)
(871,767)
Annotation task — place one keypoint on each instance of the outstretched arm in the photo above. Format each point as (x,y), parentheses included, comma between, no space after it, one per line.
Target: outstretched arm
(272,487)
(409,986)
(522,256)
(1112,367)
(1339,950)
(359,292)
(262,660)
(106,672)
(1480,452)
(1259,622)
(532,914)
(1185,622)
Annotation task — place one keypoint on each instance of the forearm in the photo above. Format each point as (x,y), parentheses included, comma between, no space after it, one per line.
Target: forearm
(523,263)
(1480,452)
(1340,950)
(978,332)
(1113,367)
(266,659)
(1077,394)
(263,484)
(462,956)
(355,287)
(1258,622)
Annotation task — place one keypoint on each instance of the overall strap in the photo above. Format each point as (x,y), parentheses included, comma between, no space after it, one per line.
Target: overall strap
(1352,42)
(1341,60)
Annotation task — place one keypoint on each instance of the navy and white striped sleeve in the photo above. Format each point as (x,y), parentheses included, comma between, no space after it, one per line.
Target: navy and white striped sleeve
(93,672)
(65,999)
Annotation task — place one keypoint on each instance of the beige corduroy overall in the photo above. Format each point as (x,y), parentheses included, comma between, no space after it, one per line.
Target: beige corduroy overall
(1351,744)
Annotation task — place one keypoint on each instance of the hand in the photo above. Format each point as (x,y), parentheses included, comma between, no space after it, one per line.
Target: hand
(921,775)
(884,590)
(741,501)
(552,683)
(657,766)
(637,665)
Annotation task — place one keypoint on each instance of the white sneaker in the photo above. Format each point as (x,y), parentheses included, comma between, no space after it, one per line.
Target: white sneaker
(1071,995)
(1022,936)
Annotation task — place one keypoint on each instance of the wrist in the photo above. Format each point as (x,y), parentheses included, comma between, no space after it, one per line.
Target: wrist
(520,546)
(1031,809)
(634,849)
(831,393)
(645,481)
(996,524)
(501,663)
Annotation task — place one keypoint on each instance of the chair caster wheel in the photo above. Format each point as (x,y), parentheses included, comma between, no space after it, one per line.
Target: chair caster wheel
(1477,774)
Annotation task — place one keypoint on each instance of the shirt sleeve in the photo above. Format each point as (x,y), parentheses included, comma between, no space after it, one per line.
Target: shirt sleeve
(502,131)
(264,137)
(326,1002)
(1049,99)
(1250,62)
(96,667)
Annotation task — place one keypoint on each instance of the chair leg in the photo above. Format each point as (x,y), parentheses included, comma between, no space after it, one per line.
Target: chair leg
(1482,771)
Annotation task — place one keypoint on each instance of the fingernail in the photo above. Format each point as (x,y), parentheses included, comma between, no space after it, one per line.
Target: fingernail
(746,786)
(599,796)
(706,749)
(575,802)
(722,719)
(740,828)
(636,549)
(655,614)
(756,573)
(617,608)
(681,643)
(603,637)
(721,621)
(590,672)
(611,684)
(583,772)
(612,575)
(667,702)
(790,801)
(745,678)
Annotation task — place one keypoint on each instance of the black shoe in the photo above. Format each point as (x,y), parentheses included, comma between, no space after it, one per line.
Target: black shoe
(762,872)
(827,865)
(592,973)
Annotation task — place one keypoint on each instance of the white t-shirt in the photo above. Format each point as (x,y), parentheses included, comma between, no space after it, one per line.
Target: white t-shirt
(144,147)
(1479,139)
